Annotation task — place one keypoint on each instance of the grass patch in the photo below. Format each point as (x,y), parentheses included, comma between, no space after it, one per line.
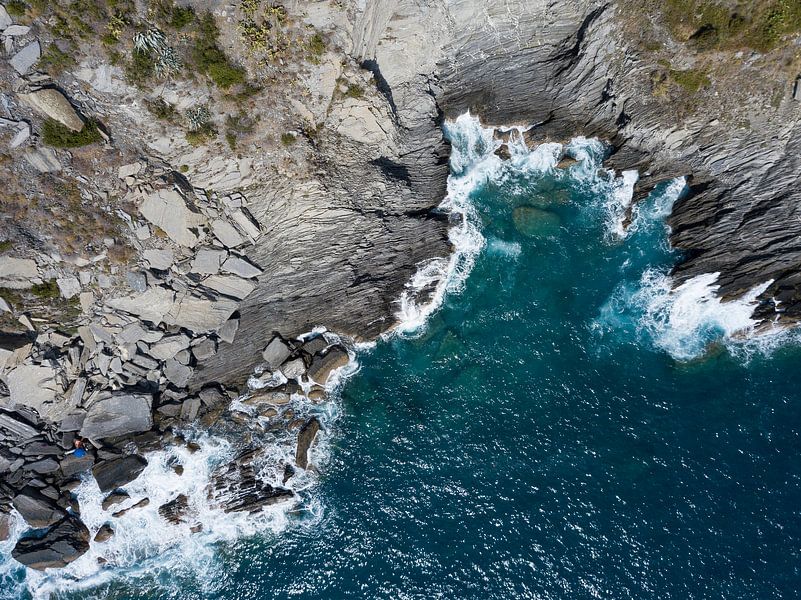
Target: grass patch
(201,135)
(287,139)
(139,69)
(162,109)
(168,14)
(16,8)
(691,80)
(316,45)
(55,62)
(354,91)
(47,290)
(210,59)
(5,245)
(59,136)
(760,25)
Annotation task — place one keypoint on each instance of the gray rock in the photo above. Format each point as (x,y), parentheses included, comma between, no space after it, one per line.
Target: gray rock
(68,286)
(305,439)
(5,18)
(72,465)
(16,427)
(241,267)
(5,527)
(23,60)
(141,504)
(175,511)
(63,543)
(200,315)
(129,170)
(235,488)
(112,474)
(189,409)
(18,273)
(159,259)
(315,345)
(226,233)
(169,346)
(205,349)
(131,334)
(228,285)
(44,160)
(293,369)
(16,30)
(177,373)
(120,414)
(136,280)
(276,352)
(324,364)
(228,331)
(52,103)
(152,305)
(42,467)
(37,510)
(167,210)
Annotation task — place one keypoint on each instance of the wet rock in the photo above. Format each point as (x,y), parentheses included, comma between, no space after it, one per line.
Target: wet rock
(60,545)
(23,60)
(276,352)
(114,498)
(324,364)
(236,488)
(105,533)
(115,473)
(305,438)
(293,369)
(141,504)
(5,527)
(566,162)
(189,409)
(503,152)
(37,509)
(175,510)
(315,345)
(120,414)
(72,465)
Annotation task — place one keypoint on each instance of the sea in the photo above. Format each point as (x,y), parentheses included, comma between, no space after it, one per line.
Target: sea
(559,420)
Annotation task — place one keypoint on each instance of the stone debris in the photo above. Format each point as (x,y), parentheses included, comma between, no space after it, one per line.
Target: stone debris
(241,267)
(105,533)
(227,234)
(208,262)
(228,285)
(69,287)
(167,210)
(18,273)
(159,259)
(44,160)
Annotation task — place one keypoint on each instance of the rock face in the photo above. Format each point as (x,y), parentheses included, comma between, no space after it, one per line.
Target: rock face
(112,474)
(63,543)
(119,414)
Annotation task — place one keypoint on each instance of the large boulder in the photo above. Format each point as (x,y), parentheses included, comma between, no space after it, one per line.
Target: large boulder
(276,352)
(118,415)
(52,103)
(37,510)
(63,543)
(305,438)
(324,364)
(111,474)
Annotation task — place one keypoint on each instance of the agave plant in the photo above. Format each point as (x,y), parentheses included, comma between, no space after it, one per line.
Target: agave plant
(167,62)
(152,40)
(198,118)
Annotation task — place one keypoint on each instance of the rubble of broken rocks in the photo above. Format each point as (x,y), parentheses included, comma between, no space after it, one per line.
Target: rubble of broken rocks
(54,389)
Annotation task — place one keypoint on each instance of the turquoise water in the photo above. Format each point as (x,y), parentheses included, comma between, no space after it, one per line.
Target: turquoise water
(561,429)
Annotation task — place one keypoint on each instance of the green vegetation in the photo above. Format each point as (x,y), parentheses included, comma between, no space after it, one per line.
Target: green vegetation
(691,80)
(210,59)
(47,290)
(162,109)
(199,136)
(717,25)
(316,46)
(16,8)
(287,139)
(168,14)
(5,245)
(54,61)
(58,136)
(237,125)
(354,91)
(139,69)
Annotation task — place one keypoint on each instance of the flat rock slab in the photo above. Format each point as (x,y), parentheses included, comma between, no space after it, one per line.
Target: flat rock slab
(200,315)
(151,305)
(112,474)
(63,543)
(72,465)
(167,210)
(17,273)
(229,285)
(50,102)
(227,234)
(208,262)
(276,352)
(23,60)
(159,259)
(169,346)
(118,415)
(241,267)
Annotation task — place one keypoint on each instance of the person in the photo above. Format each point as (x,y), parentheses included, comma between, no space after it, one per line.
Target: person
(80,449)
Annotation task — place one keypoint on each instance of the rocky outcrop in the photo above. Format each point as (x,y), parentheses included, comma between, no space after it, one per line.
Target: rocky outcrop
(305,438)
(116,473)
(60,545)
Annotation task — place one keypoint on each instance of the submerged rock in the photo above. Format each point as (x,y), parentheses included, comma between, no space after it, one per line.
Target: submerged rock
(114,498)
(535,222)
(60,545)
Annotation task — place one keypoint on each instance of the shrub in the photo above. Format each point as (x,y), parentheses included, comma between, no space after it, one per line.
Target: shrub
(287,139)
(54,61)
(691,80)
(355,91)
(139,69)
(162,110)
(47,290)
(224,74)
(317,45)
(59,136)
(210,59)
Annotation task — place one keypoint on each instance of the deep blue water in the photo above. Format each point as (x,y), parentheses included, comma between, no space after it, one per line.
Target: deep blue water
(537,440)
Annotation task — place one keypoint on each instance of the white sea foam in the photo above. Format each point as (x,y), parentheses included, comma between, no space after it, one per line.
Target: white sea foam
(685,320)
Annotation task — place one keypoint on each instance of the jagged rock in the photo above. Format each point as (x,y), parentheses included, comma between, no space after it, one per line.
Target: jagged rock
(68,286)
(324,364)
(175,510)
(235,287)
(189,409)
(114,498)
(34,386)
(105,533)
(205,349)
(159,259)
(16,426)
(52,103)
(228,331)
(111,474)
(23,60)
(16,30)
(315,345)
(5,19)
(42,467)
(235,487)
(208,262)
(120,414)
(293,369)
(167,210)
(305,438)
(141,504)
(5,527)
(137,281)
(37,509)
(18,273)
(152,305)
(63,543)
(129,170)
(276,352)
(241,267)
(169,346)
(200,315)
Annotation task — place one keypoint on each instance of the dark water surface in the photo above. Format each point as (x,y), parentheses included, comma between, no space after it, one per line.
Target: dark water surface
(536,442)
